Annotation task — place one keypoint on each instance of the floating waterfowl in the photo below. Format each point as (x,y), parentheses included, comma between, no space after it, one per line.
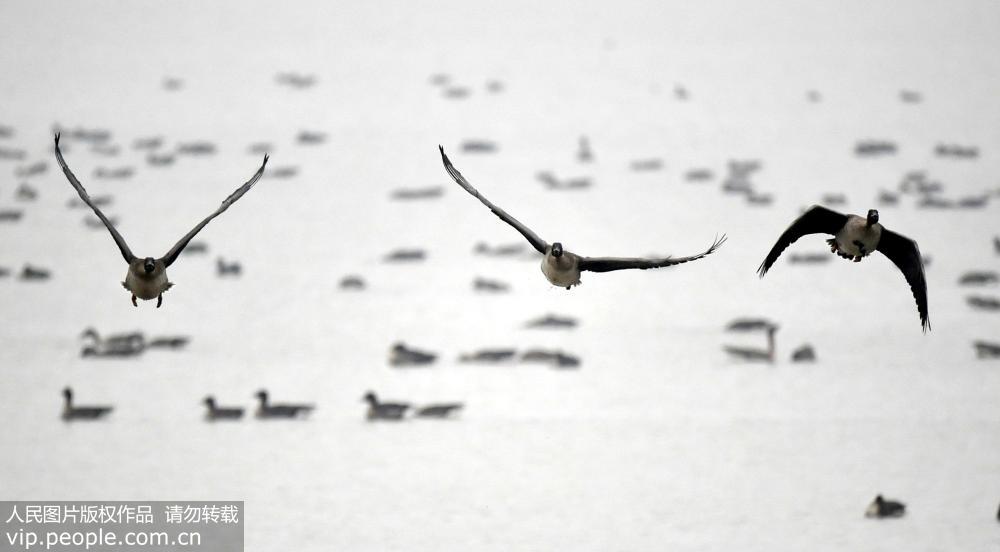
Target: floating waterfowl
(491,356)
(750,354)
(491,286)
(227,268)
(978,277)
(216,412)
(405,255)
(552,321)
(71,412)
(409,194)
(384,411)
(983,302)
(266,410)
(25,192)
(985,349)
(401,355)
(352,282)
(563,268)
(750,324)
(147,277)
(882,508)
(805,353)
(855,238)
(34,273)
(445,410)
(556,359)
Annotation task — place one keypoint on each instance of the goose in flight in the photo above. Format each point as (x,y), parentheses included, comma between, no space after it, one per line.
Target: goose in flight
(147,276)
(562,268)
(855,238)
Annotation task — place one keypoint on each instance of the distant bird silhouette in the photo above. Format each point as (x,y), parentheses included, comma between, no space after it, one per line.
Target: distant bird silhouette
(384,411)
(752,354)
(985,349)
(750,324)
(563,268)
(147,277)
(805,353)
(266,410)
(855,238)
(445,410)
(71,412)
(882,508)
(401,355)
(228,268)
(216,412)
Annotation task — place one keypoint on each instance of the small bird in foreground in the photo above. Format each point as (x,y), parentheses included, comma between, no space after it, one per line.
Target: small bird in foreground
(856,237)
(562,268)
(147,277)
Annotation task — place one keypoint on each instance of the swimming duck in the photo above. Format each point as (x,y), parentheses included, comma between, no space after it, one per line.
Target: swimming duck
(562,268)
(882,508)
(221,413)
(265,410)
(147,277)
(71,412)
(384,411)
(855,238)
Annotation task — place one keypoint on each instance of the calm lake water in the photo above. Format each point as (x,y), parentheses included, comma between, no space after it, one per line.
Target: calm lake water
(658,441)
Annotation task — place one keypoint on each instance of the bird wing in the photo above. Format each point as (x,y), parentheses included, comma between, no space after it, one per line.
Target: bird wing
(903,253)
(536,242)
(607,264)
(171,255)
(122,246)
(817,220)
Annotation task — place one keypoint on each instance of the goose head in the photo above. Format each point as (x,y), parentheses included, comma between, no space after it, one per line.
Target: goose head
(872,216)
(91,333)
(262,395)
(557,250)
(68,394)
(148,265)
(209,402)
(370,398)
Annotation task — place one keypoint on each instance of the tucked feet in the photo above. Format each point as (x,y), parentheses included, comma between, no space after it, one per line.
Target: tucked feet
(134,304)
(159,300)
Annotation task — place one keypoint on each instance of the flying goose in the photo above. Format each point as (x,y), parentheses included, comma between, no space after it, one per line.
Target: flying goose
(216,412)
(265,410)
(562,268)
(71,412)
(882,508)
(856,237)
(147,277)
(384,411)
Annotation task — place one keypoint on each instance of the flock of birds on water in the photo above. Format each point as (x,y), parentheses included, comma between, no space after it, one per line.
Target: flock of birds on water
(853,237)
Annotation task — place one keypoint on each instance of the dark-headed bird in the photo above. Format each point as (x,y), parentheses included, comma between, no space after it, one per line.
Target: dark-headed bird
(147,276)
(72,412)
(855,238)
(562,268)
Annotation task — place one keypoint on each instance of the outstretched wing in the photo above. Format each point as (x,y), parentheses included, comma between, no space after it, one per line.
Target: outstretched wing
(536,242)
(903,253)
(122,246)
(817,220)
(607,264)
(171,255)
